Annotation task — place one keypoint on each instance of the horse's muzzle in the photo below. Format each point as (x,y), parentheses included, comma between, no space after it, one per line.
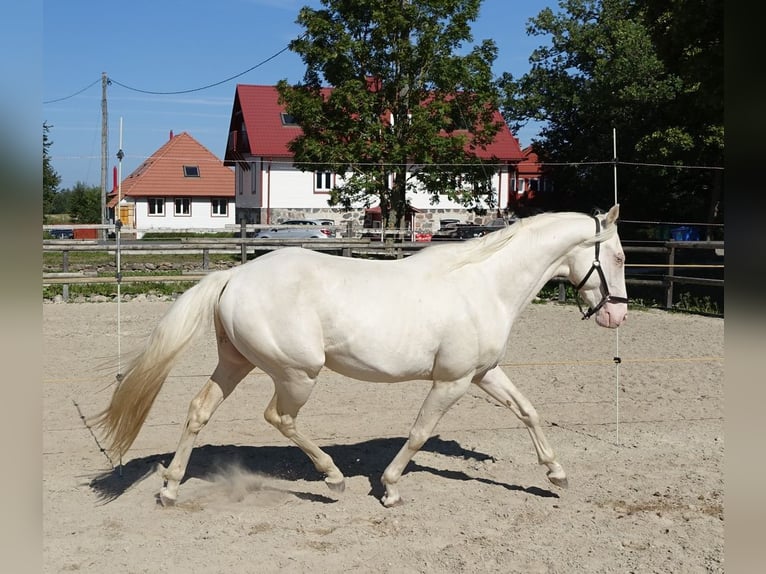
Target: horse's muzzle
(612,315)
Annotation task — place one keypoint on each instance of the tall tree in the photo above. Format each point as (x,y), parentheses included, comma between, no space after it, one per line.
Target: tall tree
(85,203)
(652,71)
(51,178)
(406,112)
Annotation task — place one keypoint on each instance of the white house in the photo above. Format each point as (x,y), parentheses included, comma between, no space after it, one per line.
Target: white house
(181,187)
(270,189)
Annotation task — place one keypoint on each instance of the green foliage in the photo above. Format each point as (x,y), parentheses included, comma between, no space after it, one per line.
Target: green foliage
(78,259)
(704,305)
(85,203)
(51,178)
(401,98)
(60,205)
(651,70)
(110,289)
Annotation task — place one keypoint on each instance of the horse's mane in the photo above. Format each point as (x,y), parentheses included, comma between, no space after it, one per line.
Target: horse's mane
(456,255)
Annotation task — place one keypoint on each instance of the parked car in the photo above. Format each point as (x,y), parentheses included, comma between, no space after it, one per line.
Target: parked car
(309,229)
(461,231)
(61,233)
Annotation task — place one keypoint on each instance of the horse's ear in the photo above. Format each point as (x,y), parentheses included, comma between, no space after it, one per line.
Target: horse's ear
(613,214)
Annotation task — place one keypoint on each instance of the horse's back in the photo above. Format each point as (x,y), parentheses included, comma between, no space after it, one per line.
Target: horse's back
(371,320)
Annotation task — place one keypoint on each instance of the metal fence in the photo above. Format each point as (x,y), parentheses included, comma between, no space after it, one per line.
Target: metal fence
(661,266)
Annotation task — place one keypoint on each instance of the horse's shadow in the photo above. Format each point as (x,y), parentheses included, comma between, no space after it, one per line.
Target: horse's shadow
(368,459)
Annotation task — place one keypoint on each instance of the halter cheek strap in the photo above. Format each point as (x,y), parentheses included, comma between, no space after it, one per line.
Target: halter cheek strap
(596,266)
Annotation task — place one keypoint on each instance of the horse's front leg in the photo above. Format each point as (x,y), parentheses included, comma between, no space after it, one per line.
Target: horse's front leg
(497,385)
(441,397)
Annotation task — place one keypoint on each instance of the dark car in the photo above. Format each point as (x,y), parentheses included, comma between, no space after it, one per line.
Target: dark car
(61,233)
(461,231)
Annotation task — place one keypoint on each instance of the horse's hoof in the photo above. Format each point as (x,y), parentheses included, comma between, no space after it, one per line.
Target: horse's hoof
(560,481)
(391,501)
(336,486)
(165,500)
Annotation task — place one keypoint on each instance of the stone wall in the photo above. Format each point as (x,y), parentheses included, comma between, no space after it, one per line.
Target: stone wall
(426,221)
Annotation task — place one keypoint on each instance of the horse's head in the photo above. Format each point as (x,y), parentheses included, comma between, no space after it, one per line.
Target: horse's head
(597,270)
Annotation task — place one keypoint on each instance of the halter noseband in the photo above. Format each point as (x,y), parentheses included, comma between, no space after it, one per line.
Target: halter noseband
(605,296)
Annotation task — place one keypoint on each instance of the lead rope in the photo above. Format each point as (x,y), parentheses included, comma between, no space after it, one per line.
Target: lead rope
(617,361)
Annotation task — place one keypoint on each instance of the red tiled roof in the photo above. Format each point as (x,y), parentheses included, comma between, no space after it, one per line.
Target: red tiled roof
(268,137)
(530,165)
(162,174)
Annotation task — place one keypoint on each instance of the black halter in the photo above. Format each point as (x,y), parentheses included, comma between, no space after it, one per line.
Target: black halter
(605,296)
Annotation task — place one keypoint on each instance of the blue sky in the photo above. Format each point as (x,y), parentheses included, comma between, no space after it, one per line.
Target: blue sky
(173,46)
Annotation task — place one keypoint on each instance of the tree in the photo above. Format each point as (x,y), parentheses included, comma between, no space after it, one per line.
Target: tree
(653,71)
(61,201)
(405,114)
(51,179)
(85,203)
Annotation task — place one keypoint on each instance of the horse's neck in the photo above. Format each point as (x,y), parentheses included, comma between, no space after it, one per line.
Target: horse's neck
(535,257)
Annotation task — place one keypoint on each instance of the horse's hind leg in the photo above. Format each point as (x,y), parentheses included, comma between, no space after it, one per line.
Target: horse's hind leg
(497,384)
(231,369)
(290,394)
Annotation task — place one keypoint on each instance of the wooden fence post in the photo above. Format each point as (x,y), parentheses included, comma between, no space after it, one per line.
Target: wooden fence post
(65,268)
(669,288)
(243,236)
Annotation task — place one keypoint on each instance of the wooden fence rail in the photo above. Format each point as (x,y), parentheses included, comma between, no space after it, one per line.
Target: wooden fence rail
(667,251)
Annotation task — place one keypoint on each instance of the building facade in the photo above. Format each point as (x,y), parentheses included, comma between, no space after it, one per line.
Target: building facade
(269,188)
(182,187)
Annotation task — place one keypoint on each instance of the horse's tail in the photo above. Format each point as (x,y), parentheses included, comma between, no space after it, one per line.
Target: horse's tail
(121,421)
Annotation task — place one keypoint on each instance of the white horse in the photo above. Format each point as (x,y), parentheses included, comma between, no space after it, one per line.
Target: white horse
(444,315)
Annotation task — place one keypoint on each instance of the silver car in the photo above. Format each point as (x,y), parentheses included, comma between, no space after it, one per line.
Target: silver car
(300,229)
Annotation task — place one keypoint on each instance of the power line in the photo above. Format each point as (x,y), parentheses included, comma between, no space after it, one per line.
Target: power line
(153,92)
(632,163)
(286,162)
(156,93)
(73,95)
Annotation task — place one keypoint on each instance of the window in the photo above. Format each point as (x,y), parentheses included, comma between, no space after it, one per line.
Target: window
(191,171)
(183,206)
(156,206)
(220,207)
(288,119)
(323,181)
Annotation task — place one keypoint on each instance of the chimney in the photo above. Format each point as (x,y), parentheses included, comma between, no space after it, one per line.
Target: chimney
(171,134)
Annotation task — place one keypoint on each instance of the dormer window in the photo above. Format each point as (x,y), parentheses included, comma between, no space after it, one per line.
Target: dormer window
(288,119)
(191,171)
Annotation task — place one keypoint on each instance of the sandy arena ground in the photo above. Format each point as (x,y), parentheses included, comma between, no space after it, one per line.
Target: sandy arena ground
(475,498)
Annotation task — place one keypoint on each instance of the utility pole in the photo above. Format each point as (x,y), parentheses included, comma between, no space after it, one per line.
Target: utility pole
(104,152)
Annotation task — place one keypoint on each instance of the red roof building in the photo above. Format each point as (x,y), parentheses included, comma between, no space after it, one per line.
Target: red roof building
(529,182)
(270,189)
(181,186)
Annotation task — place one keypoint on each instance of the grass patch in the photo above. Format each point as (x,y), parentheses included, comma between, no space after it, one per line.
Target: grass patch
(702,305)
(55,260)
(110,289)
